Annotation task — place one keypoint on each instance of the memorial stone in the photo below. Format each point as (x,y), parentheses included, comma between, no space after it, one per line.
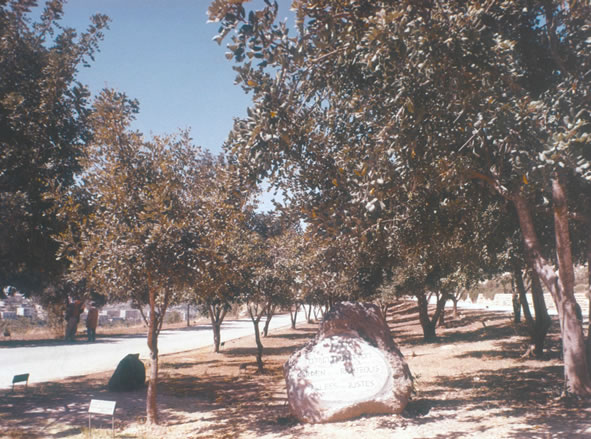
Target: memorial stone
(129,375)
(352,367)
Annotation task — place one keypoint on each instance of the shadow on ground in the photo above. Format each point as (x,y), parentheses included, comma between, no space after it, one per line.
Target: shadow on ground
(207,395)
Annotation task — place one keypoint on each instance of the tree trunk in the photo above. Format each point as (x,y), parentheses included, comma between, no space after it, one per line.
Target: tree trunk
(257,338)
(577,373)
(217,313)
(428,324)
(188,315)
(441,320)
(293,315)
(151,407)
(308,313)
(516,297)
(217,337)
(384,308)
(316,313)
(516,307)
(588,342)
(538,326)
(543,321)
(270,313)
(521,290)
(440,307)
(577,380)
(256,318)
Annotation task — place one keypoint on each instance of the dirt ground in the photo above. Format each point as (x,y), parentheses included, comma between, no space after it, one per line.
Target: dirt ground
(471,383)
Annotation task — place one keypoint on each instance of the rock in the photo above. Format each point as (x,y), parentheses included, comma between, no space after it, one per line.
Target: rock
(352,367)
(129,375)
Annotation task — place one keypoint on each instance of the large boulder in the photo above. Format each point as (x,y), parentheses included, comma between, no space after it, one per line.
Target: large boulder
(129,375)
(351,368)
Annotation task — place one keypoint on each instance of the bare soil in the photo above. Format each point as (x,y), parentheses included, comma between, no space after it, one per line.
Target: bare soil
(472,382)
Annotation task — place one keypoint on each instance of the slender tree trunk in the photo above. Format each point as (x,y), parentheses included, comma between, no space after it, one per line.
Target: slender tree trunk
(515,298)
(151,407)
(216,316)
(293,315)
(440,307)
(441,320)
(538,326)
(455,302)
(259,355)
(384,307)
(316,308)
(217,337)
(308,313)
(516,307)
(188,315)
(256,318)
(542,322)
(320,310)
(270,313)
(521,290)
(577,380)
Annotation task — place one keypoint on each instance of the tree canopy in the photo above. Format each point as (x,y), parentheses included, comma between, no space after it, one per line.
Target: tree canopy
(139,219)
(43,129)
(372,104)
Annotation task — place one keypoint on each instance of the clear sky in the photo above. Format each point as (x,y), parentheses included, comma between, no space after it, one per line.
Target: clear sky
(161,52)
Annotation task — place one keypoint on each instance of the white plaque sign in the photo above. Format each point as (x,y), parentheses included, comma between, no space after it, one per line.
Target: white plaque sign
(342,369)
(101,407)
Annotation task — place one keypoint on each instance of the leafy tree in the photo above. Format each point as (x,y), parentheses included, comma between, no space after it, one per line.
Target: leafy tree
(43,128)
(267,272)
(135,225)
(216,284)
(370,95)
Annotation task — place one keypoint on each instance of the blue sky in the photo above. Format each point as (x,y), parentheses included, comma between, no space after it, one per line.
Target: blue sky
(162,53)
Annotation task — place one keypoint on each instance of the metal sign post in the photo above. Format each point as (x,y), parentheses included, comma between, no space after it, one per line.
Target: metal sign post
(19,379)
(102,407)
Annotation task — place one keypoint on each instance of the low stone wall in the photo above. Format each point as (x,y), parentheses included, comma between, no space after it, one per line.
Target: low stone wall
(503,302)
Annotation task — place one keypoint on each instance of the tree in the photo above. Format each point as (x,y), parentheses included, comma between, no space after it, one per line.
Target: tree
(492,95)
(267,272)
(43,129)
(135,228)
(226,205)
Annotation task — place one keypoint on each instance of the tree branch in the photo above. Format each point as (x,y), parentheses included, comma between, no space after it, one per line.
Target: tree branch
(475,175)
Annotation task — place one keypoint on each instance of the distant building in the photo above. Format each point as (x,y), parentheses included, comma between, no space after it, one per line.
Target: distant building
(25,311)
(8,315)
(113,313)
(131,314)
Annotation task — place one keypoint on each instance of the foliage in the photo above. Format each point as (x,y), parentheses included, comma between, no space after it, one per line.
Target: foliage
(137,218)
(215,284)
(268,267)
(43,128)
(373,105)
(134,226)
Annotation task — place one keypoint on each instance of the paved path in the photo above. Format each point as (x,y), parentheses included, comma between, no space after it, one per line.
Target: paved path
(58,360)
